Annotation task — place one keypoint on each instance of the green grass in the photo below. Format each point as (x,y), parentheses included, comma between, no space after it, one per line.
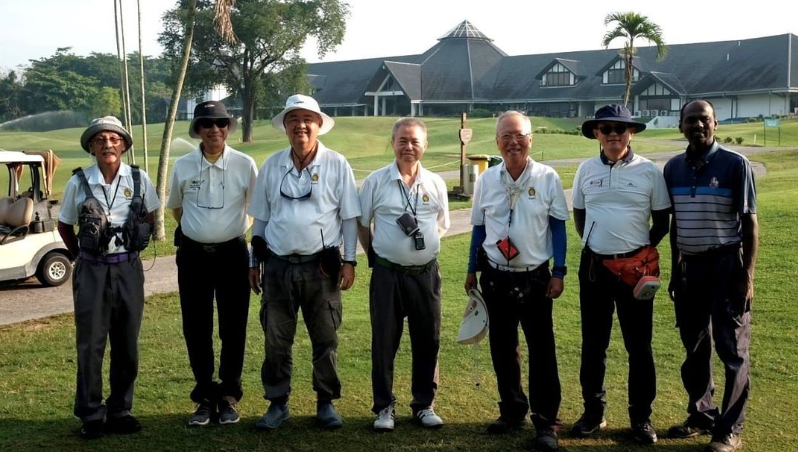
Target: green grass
(38,368)
(365,141)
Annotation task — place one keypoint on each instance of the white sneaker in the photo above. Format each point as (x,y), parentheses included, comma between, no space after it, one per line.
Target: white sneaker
(428,419)
(385,420)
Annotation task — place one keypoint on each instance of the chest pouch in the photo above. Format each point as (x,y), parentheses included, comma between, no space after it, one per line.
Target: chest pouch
(94,231)
(136,231)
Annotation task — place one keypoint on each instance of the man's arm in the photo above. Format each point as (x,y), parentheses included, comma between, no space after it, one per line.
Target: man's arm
(67,232)
(750,251)
(177,212)
(579,221)
(659,226)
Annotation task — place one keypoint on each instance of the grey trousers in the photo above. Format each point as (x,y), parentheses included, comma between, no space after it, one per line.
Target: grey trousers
(287,288)
(392,297)
(109,304)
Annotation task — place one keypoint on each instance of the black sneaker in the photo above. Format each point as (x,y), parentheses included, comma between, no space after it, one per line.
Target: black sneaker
(202,415)
(644,433)
(228,414)
(505,424)
(688,429)
(92,429)
(124,425)
(588,425)
(546,440)
(729,442)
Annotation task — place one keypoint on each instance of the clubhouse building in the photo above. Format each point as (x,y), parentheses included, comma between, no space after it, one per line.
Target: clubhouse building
(465,71)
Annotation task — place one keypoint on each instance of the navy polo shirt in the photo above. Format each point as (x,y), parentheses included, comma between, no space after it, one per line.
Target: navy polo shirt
(709,195)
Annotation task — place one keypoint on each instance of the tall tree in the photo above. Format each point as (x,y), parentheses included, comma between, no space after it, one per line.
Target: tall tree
(631,26)
(270,35)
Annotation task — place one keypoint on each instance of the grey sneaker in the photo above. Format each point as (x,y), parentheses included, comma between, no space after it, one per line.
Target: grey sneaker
(202,415)
(327,416)
(228,414)
(385,419)
(273,417)
(428,419)
(587,426)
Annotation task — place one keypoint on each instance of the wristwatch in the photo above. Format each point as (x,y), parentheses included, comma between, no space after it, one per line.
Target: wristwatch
(352,263)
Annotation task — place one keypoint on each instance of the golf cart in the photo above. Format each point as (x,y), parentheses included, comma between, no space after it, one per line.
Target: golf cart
(29,240)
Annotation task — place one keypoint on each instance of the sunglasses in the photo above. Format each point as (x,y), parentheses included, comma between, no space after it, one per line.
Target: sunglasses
(304,197)
(619,129)
(207,123)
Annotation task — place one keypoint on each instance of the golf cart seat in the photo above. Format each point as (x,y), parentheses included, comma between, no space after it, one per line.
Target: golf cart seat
(15,218)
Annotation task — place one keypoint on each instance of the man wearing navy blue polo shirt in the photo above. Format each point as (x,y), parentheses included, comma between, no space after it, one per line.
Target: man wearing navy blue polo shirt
(714,239)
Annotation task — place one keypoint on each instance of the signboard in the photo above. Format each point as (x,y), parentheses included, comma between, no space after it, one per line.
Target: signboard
(465,135)
(772,122)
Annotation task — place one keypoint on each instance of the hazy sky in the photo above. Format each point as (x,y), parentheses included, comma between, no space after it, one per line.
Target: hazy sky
(34,29)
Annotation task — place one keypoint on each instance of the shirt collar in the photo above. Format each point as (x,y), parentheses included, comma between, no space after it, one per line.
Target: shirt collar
(95,176)
(396,176)
(286,160)
(221,162)
(527,170)
(625,159)
(704,157)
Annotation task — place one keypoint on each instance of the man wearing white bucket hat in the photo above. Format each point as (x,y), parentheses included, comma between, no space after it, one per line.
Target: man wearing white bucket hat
(305,206)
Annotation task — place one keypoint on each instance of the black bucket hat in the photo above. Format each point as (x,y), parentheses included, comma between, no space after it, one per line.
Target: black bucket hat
(211,109)
(611,113)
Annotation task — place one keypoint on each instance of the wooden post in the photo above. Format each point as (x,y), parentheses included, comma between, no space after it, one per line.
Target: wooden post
(465,137)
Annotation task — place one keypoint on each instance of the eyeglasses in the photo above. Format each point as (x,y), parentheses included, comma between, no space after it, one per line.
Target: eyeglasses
(304,197)
(113,141)
(507,137)
(619,129)
(207,123)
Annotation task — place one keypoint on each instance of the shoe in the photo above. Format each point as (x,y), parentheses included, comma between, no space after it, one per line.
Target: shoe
(273,417)
(228,414)
(504,425)
(644,433)
(202,415)
(729,442)
(588,425)
(385,419)
(428,419)
(546,440)
(688,429)
(327,416)
(124,425)
(92,429)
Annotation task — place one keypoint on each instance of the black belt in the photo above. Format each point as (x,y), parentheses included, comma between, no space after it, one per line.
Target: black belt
(297,258)
(404,269)
(210,247)
(109,258)
(713,252)
(616,256)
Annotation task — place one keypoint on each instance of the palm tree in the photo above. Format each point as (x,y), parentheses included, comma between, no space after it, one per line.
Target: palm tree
(631,25)
(225,29)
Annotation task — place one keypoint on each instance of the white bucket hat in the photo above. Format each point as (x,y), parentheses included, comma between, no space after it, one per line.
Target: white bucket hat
(474,326)
(302,102)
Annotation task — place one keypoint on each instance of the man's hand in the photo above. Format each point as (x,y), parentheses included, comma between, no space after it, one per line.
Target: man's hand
(555,288)
(744,289)
(347,276)
(254,279)
(470,282)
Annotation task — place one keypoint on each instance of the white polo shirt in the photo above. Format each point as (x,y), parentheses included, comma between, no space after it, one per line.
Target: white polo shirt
(383,200)
(295,226)
(115,198)
(214,196)
(541,195)
(618,200)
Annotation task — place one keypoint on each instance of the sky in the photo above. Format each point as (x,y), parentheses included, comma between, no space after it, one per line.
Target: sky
(33,29)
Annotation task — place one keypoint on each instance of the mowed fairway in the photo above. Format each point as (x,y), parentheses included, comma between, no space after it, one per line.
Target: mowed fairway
(37,362)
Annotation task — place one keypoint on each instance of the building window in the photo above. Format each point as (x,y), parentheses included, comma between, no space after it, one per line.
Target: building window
(558,75)
(615,75)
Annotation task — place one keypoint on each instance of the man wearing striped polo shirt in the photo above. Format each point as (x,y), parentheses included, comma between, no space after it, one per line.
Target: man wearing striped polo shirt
(714,238)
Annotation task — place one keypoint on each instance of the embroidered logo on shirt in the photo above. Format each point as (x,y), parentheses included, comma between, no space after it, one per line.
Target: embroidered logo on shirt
(425,198)
(128,193)
(714,182)
(195,185)
(314,177)
(532,192)
(631,184)
(598,183)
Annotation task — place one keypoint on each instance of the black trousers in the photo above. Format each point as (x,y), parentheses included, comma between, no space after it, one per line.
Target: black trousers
(514,298)
(394,295)
(705,313)
(203,273)
(109,304)
(600,293)
(287,288)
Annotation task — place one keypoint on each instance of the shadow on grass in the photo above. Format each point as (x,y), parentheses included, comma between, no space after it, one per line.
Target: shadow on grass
(301,433)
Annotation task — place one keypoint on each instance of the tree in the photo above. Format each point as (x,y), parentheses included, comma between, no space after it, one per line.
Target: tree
(270,35)
(106,102)
(631,26)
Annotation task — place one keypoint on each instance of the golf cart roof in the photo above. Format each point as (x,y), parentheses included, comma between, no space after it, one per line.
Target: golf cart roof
(18,157)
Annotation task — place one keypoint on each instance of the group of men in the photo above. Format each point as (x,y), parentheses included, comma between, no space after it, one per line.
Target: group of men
(303,207)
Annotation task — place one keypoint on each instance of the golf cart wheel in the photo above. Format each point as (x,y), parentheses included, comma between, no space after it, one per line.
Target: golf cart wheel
(54,269)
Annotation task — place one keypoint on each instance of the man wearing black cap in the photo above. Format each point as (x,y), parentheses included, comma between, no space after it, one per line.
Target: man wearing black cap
(210,192)
(108,283)
(614,196)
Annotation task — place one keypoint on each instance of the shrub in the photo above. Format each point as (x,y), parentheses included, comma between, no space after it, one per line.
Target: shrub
(739,140)
(728,140)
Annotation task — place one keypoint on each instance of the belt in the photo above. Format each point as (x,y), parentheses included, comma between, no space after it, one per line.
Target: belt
(404,269)
(109,258)
(506,268)
(297,258)
(618,255)
(210,247)
(712,252)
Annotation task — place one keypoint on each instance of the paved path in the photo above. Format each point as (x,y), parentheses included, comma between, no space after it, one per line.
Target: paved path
(29,300)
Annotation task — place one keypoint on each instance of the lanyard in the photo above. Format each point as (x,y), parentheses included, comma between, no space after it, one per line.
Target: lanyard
(407,197)
(105,195)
